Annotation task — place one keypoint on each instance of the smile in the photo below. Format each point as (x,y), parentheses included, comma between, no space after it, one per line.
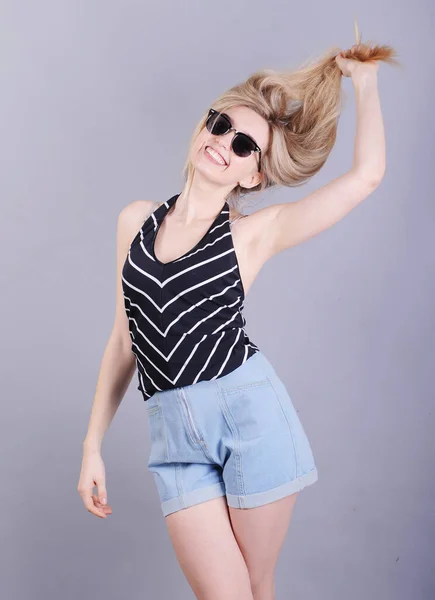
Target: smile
(215,156)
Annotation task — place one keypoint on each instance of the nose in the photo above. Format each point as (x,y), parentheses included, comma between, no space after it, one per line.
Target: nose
(224,146)
(224,141)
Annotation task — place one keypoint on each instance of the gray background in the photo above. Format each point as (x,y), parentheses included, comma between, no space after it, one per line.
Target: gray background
(347,318)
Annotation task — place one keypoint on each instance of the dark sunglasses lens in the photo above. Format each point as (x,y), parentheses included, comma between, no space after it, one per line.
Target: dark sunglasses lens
(243,145)
(217,124)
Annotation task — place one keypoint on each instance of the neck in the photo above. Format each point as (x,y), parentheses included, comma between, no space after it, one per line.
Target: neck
(202,201)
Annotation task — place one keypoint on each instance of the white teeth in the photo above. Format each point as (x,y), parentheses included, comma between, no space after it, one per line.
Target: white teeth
(215,155)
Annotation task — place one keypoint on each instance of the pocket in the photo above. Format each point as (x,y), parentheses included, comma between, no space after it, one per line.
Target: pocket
(255,409)
(158,440)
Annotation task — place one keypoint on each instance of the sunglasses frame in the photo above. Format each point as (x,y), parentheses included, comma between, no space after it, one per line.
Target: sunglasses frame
(212,112)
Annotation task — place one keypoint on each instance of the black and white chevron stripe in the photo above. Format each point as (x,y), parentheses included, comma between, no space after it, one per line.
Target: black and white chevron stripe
(185,317)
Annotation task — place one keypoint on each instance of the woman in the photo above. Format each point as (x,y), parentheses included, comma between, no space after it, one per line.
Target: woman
(229,454)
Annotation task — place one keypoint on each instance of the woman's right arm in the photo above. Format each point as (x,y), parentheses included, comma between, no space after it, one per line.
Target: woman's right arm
(117,367)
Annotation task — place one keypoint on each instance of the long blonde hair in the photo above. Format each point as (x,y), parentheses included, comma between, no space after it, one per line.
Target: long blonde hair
(302,108)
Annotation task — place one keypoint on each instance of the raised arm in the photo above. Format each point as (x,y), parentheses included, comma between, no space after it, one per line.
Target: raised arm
(280,226)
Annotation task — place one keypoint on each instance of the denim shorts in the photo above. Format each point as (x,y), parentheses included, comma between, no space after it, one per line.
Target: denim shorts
(237,436)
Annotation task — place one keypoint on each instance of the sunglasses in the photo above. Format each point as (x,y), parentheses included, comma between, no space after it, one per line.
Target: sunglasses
(241,144)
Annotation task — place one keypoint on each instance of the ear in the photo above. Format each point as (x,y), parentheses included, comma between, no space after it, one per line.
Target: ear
(251,181)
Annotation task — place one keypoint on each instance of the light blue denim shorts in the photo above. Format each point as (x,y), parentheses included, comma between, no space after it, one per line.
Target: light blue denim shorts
(237,436)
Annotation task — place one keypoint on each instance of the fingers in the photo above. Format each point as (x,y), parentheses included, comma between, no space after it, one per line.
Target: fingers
(105,507)
(102,492)
(89,503)
(94,506)
(92,474)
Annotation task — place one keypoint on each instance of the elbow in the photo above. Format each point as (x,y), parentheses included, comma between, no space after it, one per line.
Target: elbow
(376,179)
(371,178)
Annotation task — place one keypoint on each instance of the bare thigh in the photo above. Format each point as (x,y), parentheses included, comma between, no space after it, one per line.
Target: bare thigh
(260,533)
(208,553)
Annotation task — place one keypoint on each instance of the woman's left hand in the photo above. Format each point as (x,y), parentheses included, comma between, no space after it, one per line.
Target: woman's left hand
(350,67)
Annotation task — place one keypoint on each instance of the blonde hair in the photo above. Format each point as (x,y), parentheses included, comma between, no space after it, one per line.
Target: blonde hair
(302,108)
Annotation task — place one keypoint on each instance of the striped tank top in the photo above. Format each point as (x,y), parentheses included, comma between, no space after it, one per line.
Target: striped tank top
(185,316)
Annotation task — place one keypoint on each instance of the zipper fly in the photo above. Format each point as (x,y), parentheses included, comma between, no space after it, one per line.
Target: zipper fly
(192,424)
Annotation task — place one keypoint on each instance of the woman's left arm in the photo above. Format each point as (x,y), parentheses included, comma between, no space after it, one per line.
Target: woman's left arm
(280,226)
(369,153)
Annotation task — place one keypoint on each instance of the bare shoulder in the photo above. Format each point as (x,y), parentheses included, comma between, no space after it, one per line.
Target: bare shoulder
(234,215)
(136,212)
(133,215)
(253,225)
(252,241)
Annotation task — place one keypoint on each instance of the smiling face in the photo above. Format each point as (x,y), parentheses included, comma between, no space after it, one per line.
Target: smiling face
(237,169)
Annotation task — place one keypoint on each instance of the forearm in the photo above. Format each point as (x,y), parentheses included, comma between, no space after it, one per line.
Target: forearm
(116,371)
(369,150)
